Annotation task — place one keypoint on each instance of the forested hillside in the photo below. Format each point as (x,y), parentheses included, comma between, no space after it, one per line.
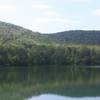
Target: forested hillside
(19,46)
(76,37)
(12,34)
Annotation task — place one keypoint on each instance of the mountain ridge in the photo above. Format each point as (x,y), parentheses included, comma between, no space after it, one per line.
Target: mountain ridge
(22,47)
(77,37)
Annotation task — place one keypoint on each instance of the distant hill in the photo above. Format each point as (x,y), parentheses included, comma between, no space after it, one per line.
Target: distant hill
(13,34)
(22,47)
(76,37)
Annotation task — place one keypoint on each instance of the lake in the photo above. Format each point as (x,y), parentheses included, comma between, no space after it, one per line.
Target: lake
(56,97)
(50,83)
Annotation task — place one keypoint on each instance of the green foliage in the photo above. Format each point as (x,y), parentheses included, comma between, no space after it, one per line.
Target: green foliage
(43,54)
(19,46)
(76,37)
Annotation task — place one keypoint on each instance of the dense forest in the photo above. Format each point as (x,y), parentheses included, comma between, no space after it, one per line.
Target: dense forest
(19,46)
(76,37)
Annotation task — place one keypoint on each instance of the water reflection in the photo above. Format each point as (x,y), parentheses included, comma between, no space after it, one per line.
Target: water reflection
(47,74)
(71,81)
(56,97)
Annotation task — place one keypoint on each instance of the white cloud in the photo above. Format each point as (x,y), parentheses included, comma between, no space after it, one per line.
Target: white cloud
(45,10)
(81,1)
(7,8)
(51,13)
(52,24)
(49,20)
(96,12)
(40,6)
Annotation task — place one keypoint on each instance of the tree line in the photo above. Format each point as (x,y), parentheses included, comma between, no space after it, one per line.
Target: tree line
(12,54)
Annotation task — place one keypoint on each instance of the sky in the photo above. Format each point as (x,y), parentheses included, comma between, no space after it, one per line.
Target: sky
(50,16)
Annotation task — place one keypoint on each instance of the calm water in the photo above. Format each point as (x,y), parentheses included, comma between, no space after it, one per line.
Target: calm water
(50,83)
(56,97)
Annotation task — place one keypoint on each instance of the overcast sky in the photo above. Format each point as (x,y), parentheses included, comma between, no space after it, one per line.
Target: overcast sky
(48,16)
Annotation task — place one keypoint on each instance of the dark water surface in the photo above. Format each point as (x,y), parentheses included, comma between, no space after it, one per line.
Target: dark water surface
(50,83)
